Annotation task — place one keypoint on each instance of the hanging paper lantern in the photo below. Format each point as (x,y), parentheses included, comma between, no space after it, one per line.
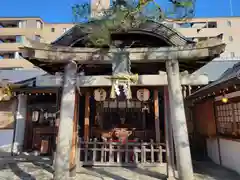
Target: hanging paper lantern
(100,94)
(224,99)
(143,94)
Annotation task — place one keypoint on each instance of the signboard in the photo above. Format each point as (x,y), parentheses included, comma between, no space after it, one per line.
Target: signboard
(7,110)
(100,94)
(49,81)
(143,94)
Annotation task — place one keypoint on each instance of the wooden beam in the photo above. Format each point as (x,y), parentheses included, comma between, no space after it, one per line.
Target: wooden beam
(74,138)
(65,130)
(56,55)
(86,118)
(180,132)
(156,113)
(143,80)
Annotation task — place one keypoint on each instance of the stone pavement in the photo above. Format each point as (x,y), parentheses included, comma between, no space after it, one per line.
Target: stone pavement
(43,171)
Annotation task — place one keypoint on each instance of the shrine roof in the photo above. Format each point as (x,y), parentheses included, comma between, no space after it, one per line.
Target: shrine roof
(227,80)
(161,33)
(154,43)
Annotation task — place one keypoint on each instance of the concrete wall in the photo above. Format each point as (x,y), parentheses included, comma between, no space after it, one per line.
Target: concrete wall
(229,153)
(6,139)
(212,150)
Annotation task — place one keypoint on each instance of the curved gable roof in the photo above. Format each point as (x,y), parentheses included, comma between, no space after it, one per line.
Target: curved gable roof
(150,40)
(157,30)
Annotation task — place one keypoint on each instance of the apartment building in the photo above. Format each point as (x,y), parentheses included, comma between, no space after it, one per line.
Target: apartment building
(202,28)
(14,31)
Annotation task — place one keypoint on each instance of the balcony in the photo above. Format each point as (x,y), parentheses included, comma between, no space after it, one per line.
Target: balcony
(9,47)
(15,63)
(195,32)
(20,31)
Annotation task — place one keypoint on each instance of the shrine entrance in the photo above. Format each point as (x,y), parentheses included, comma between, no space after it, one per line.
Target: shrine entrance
(123,132)
(133,62)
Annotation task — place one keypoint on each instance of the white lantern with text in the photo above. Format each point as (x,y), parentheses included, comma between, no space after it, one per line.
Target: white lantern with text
(100,94)
(143,94)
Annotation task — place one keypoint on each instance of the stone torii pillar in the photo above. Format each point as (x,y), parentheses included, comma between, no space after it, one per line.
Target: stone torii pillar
(65,130)
(179,124)
(169,136)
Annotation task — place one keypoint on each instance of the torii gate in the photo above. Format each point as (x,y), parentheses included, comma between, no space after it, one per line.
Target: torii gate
(177,54)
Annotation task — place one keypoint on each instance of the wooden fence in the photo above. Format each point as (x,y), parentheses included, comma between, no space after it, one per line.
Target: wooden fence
(114,153)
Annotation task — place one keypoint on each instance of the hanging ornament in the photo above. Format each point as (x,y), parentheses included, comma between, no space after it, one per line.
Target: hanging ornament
(143,94)
(100,94)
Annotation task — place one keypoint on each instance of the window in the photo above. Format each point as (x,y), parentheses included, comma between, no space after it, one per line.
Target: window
(19,39)
(22,24)
(229,23)
(39,24)
(52,29)
(185,25)
(236,114)
(224,115)
(212,24)
(228,119)
(232,54)
(37,38)
(230,38)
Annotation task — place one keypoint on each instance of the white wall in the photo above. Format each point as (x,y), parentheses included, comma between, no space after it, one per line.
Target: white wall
(212,150)
(6,142)
(230,153)
(229,150)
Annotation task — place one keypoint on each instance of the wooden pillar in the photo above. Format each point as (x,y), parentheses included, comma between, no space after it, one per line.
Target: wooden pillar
(179,123)
(86,118)
(156,112)
(168,135)
(65,131)
(74,138)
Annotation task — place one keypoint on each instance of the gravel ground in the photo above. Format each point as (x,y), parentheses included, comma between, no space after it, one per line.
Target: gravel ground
(43,171)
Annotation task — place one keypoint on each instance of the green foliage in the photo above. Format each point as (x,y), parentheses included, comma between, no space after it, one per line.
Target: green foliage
(123,15)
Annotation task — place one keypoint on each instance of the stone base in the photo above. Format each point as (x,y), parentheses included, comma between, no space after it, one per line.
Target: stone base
(6,150)
(17,148)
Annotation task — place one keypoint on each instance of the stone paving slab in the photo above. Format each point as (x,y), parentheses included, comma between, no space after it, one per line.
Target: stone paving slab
(43,171)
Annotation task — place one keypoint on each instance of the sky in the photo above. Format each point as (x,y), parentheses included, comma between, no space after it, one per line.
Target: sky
(55,11)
